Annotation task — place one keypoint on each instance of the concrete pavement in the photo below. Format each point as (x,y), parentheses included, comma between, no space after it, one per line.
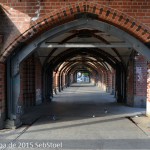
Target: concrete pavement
(80,117)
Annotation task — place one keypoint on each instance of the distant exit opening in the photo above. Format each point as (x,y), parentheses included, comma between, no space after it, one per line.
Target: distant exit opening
(83,77)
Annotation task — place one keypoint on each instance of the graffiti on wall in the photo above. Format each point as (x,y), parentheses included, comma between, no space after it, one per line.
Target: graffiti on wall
(139,74)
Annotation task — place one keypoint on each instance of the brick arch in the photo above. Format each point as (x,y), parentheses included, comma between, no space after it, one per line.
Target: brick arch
(67,14)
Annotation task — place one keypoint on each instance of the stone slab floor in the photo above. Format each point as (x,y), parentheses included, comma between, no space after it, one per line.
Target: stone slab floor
(80,117)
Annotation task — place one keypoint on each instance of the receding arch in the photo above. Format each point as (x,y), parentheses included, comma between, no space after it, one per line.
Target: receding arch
(70,53)
(103,13)
(94,24)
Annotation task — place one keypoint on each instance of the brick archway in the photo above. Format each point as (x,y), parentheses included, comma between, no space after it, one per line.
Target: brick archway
(67,14)
(66,19)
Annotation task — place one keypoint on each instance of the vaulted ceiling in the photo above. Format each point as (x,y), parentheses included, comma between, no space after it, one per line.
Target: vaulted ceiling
(84,46)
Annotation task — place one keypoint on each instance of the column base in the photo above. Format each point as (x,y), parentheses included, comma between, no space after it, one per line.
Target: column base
(137,101)
(12,124)
(109,90)
(140,101)
(113,92)
(54,92)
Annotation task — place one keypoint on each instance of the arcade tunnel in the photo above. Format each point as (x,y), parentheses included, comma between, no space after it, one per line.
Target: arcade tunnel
(83,51)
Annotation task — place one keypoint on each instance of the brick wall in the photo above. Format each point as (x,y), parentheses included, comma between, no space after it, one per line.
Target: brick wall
(18,16)
(2,94)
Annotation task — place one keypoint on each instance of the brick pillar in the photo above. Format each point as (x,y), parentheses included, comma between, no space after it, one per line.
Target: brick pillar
(38,81)
(109,82)
(130,82)
(113,82)
(71,78)
(140,80)
(2,95)
(59,81)
(64,80)
(148,91)
(104,80)
(136,81)
(54,83)
(99,78)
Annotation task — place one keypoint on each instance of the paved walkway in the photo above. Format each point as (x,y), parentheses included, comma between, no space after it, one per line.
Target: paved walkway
(80,117)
